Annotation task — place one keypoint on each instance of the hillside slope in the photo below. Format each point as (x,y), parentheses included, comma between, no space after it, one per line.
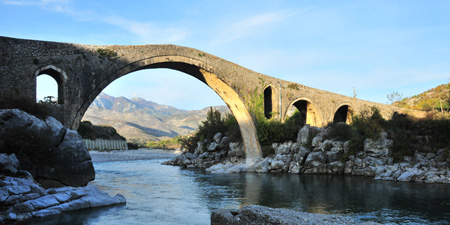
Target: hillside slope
(138,118)
(428,100)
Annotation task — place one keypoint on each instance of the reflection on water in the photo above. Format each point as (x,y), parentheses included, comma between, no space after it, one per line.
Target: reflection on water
(159,194)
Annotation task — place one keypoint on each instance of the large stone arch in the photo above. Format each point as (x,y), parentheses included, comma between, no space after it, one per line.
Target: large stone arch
(309,111)
(343,113)
(202,72)
(56,73)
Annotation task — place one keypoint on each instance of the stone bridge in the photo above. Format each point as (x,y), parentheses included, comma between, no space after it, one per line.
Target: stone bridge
(83,71)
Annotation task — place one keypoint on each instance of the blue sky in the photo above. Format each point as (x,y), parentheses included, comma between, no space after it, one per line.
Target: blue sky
(376,47)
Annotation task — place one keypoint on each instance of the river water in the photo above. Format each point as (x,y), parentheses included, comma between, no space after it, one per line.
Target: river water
(160,194)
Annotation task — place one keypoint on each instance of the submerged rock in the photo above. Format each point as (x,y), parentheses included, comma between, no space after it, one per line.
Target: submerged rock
(255,214)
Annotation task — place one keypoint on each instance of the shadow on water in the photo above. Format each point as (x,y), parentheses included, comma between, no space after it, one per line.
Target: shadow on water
(359,197)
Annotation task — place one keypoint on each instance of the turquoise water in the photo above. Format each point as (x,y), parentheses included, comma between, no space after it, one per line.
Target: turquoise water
(160,194)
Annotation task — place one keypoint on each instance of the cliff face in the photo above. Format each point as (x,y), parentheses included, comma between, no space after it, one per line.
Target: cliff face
(138,118)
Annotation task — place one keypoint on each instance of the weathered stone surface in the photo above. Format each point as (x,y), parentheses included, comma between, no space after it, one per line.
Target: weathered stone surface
(334,155)
(336,167)
(303,135)
(254,214)
(238,148)
(44,202)
(213,146)
(318,170)
(315,159)
(8,163)
(217,138)
(263,166)
(276,165)
(66,161)
(378,148)
(224,143)
(50,202)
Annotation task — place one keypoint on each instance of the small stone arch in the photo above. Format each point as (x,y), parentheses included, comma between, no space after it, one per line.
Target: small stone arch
(343,114)
(268,102)
(56,73)
(308,110)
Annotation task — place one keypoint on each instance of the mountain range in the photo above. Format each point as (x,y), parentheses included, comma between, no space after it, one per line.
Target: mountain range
(138,118)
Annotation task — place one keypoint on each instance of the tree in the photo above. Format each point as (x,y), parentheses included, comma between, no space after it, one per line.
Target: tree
(394,97)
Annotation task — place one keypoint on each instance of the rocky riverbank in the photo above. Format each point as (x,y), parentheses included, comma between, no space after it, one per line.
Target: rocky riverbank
(54,155)
(255,214)
(22,198)
(313,153)
(40,161)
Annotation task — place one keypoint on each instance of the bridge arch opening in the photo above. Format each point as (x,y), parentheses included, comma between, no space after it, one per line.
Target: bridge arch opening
(50,83)
(308,111)
(268,108)
(343,114)
(202,72)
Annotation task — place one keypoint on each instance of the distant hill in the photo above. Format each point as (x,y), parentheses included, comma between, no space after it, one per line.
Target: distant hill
(428,100)
(138,118)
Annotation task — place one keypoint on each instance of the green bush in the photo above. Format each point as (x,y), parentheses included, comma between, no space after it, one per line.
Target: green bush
(340,132)
(410,135)
(369,123)
(274,131)
(89,131)
(214,123)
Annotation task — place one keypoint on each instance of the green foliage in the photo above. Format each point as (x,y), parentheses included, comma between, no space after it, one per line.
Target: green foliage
(394,97)
(369,123)
(430,100)
(89,131)
(410,135)
(48,100)
(107,53)
(25,104)
(340,132)
(172,143)
(189,143)
(274,131)
(293,86)
(213,124)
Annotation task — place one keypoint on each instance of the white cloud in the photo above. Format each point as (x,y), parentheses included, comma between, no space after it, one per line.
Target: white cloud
(253,25)
(147,31)
(34,2)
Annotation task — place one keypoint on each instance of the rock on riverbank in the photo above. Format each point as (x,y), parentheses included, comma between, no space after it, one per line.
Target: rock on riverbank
(255,214)
(54,155)
(313,153)
(22,198)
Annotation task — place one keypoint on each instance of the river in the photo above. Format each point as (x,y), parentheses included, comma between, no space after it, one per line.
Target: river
(160,194)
